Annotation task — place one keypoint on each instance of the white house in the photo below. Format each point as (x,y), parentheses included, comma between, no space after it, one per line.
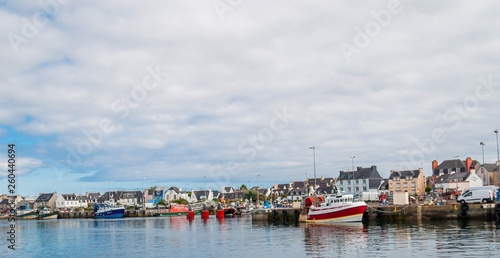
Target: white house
(458,181)
(69,201)
(201,195)
(173,193)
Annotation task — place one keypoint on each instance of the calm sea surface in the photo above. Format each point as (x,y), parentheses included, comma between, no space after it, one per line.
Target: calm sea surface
(239,237)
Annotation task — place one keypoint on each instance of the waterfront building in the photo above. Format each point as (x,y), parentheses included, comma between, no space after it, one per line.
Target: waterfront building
(46,200)
(236,195)
(89,199)
(227,189)
(298,190)
(360,180)
(278,190)
(326,190)
(6,202)
(458,181)
(69,201)
(126,198)
(202,195)
(173,193)
(411,181)
(488,172)
(454,165)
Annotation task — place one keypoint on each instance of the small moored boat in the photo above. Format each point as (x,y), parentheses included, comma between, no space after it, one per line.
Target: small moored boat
(26,214)
(175,210)
(46,214)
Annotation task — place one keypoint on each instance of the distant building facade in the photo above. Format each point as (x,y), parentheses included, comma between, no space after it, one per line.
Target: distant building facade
(411,181)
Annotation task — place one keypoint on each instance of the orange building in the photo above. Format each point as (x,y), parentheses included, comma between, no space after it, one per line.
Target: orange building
(411,181)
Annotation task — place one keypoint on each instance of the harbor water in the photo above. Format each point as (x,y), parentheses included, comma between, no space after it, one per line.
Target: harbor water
(240,237)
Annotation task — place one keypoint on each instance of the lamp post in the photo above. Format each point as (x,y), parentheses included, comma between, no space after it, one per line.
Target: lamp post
(314,165)
(482,165)
(258,197)
(482,150)
(307,180)
(352,182)
(498,155)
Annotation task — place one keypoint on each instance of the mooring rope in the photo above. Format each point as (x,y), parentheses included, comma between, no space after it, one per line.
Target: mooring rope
(382,211)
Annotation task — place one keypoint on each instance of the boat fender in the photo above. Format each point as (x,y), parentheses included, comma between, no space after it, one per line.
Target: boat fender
(285,215)
(497,207)
(275,215)
(464,207)
(463,214)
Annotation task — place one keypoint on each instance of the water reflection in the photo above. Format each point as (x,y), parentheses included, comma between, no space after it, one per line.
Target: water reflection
(334,239)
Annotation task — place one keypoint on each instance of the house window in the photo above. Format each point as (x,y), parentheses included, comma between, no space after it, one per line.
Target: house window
(398,185)
(413,184)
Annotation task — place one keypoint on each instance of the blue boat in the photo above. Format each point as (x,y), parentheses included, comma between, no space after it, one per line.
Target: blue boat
(105,211)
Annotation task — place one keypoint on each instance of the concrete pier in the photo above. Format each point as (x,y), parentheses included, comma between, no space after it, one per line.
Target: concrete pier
(390,213)
(281,215)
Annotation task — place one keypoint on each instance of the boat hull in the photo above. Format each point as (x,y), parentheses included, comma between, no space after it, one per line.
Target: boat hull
(109,214)
(337,214)
(174,214)
(47,217)
(29,215)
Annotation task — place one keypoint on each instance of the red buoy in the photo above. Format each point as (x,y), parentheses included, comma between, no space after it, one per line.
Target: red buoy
(190,215)
(220,214)
(205,214)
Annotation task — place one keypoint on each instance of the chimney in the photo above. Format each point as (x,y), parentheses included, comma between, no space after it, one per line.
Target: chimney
(468,163)
(434,164)
(374,168)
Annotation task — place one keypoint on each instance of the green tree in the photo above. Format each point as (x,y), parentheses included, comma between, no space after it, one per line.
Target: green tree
(161,202)
(181,201)
(243,187)
(428,189)
(251,194)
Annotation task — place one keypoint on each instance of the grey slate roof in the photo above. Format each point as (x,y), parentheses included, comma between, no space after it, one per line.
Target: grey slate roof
(405,173)
(45,197)
(363,173)
(326,190)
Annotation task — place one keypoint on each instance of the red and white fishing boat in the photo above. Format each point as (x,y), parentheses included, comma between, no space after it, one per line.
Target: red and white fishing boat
(334,209)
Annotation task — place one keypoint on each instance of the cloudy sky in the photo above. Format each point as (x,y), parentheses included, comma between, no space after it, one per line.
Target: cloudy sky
(114,94)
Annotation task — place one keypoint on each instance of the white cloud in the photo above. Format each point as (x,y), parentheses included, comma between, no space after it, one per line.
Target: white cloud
(225,78)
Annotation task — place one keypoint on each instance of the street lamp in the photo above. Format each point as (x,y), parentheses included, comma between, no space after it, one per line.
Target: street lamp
(258,197)
(307,180)
(352,182)
(498,155)
(482,149)
(314,164)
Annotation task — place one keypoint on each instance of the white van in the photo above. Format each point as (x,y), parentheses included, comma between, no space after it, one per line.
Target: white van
(477,195)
